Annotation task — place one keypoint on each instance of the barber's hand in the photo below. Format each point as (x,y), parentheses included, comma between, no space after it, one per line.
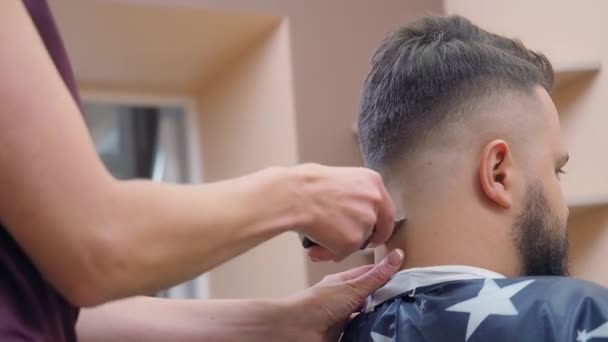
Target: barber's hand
(321,313)
(346,207)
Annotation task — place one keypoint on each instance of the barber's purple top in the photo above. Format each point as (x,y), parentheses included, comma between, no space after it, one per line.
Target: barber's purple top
(30,309)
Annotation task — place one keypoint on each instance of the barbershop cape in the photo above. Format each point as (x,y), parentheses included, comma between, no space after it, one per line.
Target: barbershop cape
(461,303)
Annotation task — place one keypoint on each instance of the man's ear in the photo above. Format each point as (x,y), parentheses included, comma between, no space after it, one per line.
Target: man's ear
(496,173)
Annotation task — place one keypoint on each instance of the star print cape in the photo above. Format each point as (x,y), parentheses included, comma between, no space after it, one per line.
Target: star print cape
(458,303)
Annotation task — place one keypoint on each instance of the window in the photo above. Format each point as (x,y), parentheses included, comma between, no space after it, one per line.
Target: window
(145,140)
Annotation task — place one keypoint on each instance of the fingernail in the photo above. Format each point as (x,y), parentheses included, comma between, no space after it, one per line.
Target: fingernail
(395,258)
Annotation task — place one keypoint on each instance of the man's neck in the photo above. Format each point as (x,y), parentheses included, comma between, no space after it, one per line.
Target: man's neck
(437,243)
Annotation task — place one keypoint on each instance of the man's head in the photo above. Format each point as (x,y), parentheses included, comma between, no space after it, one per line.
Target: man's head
(460,124)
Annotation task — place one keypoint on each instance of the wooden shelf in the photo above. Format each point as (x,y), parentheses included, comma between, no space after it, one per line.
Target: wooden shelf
(568,72)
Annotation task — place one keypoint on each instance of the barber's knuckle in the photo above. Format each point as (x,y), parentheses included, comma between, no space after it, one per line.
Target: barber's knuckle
(353,242)
(369,219)
(375,177)
(376,197)
(377,181)
(391,209)
(328,278)
(351,238)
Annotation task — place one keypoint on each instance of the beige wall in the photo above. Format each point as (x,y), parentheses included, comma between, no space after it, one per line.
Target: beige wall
(292,97)
(331,42)
(248,123)
(330,63)
(331,45)
(589,244)
(568,32)
(550,27)
(115,45)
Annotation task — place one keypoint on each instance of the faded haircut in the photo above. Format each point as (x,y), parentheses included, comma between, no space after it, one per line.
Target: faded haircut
(427,72)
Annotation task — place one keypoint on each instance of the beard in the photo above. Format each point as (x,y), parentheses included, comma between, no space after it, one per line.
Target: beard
(541,237)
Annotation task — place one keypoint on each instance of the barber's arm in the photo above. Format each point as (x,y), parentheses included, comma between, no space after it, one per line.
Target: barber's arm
(95,238)
(315,315)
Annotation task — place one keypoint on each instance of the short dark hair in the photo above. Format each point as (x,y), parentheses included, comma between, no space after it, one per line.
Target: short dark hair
(425,72)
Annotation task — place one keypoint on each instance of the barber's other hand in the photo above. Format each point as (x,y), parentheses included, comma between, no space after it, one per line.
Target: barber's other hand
(345,207)
(321,313)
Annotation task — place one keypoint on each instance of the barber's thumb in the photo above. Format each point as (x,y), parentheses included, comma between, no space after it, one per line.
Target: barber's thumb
(381,273)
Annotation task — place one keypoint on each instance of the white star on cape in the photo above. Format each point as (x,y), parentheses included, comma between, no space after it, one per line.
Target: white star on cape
(599,332)
(381,338)
(491,300)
